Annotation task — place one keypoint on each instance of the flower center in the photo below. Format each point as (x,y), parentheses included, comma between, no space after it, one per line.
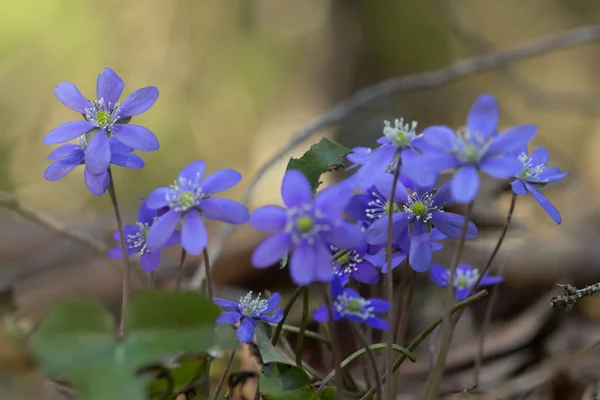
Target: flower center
(356,306)
(138,240)
(188,194)
(305,224)
(391,208)
(187,199)
(464,279)
(252,307)
(419,209)
(400,134)
(530,172)
(421,206)
(102,114)
(345,261)
(471,153)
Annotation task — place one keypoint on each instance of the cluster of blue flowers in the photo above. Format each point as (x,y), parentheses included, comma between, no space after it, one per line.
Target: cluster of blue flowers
(323,244)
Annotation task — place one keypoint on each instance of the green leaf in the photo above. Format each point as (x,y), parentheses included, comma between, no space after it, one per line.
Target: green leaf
(268,352)
(322,157)
(76,342)
(189,369)
(280,381)
(328,393)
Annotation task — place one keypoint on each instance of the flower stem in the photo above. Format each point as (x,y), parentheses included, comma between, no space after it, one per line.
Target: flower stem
(337,355)
(435,376)
(209,287)
(151,280)
(307,333)
(300,341)
(423,335)
(286,311)
(180,270)
(221,381)
(361,340)
(389,389)
(405,314)
(126,269)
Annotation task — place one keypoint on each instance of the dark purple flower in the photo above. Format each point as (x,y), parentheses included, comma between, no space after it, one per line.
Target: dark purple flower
(348,304)
(135,236)
(69,156)
(534,175)
(464,278)
(104,118)
(398,141)
(420,209)
(189,200)
(353,263)
(248,311)
(306,228)
(477,147)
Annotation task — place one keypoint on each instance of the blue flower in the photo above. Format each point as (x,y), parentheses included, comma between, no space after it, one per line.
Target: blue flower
(248,312)
(398,141)
(535,174)
(306,227)
(189,199)
(353,263)
(105,117)
(69,156)
(358,157)
(419,208)
(464,278)
(348,304)
(135,237)
(478,147)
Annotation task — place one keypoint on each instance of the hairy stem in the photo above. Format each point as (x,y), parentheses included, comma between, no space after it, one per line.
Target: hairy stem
(209,286)
(221,381)
(423,335)
(307,333)
(300,341)
(435,376)
(286,311)
(123,242)
(151,280)
(389,389)
(180,269)
(334,337)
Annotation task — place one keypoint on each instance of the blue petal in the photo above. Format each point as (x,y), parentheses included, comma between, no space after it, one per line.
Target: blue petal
(323,271)
(378,232)
(345,235)
(135,136)
(501,167)
(162,229)
(295,189)
(127,160)
(226,303)
(438,274)
(420,254)
(336,288)
(491,280)
(60,168)
(440,137)
(379,305)
(461,294)
(518,187)
(465,184)
(117,146)
(377,164)
(269,218)
(539,156)
(193,172)
(551,174)
(426,168)
(193,233)
(109,86)
(146,214)
(139,101)
(69,95)
(271,250)
(332,200)
(68,131)
(224,210)
(228,318)
(158,197)
(150,260)
(321,314)
(378,323)
(97,154)
(220,181)
(66,150)
(483,116)
(174,239)
(366,273)
(303,263)
(451,224)
(442,196)
(274,319)
(511,139)
(357,205)
(545,203)
(245,333)
(272,303)
(97,184)
(384,182)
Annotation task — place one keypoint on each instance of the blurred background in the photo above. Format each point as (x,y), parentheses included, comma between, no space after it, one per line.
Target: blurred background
(237,79)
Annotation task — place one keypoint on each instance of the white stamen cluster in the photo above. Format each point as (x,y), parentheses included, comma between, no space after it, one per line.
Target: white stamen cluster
(139,239)
(188,194)
(464,278)
(421,207)
(530,172)
(377,207)
(253,307)
(356,306)
(102,114)
(345,262)
(400,134)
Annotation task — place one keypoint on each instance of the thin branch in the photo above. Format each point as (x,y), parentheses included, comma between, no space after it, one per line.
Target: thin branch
(427,80)
(573,295)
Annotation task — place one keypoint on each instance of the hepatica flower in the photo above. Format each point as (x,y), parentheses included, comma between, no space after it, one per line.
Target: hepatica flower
(348,304)
(353,263)
(69,156)
(464,278)
(248,311)
(135,237)
(477,147)
(535,174)
(307,227)
(105,117)
(188,200)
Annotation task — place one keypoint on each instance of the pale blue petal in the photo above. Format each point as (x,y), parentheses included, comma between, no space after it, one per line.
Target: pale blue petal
(135,136)
(68,131)
(271,250)
(193,233)
(483,116)
(465,184)
(97,154)
(440,137)
(158,197)
(511,139)
(505,166)
(220,181)
(109,86)
(162,229)
(228,318)
(245,333)
(224,210)
(269,218)
(545,203)
(295,189)
(69,95)
(451,224)
(96,184)
(150,260)
(303,264)
(518,187)
(139,101)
